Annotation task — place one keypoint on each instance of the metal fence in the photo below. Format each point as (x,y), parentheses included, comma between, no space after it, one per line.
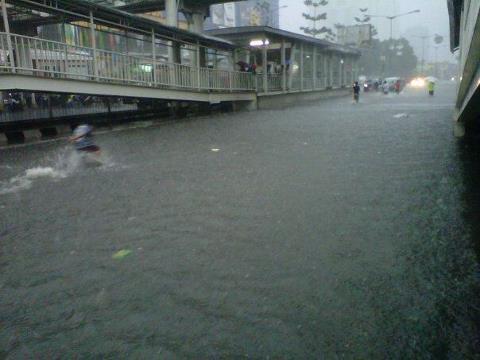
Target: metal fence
(293,83)
(46,58)
(55,112)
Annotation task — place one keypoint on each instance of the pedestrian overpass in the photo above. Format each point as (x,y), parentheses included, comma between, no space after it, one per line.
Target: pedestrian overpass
(78,47)
(465,37)
(44,65)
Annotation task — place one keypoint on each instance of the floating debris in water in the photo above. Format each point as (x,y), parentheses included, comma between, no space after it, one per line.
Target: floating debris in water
(121,254)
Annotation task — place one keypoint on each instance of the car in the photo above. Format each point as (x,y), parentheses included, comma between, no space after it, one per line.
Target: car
(368,85)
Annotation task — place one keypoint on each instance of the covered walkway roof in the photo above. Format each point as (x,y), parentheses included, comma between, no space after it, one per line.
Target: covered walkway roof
(79,10)
(239,33)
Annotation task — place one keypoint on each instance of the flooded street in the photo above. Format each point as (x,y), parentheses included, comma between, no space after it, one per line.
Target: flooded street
(329,230)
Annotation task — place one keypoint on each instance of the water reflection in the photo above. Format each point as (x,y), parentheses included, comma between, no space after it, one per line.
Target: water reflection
(322,231)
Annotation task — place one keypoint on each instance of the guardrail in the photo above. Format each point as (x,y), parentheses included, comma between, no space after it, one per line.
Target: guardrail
(46,58)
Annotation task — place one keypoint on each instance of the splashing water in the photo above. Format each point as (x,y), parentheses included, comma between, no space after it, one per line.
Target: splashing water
(64,164)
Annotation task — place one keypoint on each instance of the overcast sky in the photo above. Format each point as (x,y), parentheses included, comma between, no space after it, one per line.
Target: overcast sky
(432,19)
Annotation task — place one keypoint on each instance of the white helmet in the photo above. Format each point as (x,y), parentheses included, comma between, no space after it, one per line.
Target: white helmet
(82,130)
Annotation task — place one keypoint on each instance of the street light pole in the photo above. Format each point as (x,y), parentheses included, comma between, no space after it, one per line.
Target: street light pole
(391,28)
(391,18)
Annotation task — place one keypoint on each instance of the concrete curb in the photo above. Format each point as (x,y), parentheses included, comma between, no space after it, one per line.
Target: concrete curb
(284,100)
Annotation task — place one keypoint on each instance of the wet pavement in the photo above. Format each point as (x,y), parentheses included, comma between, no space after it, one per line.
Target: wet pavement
(329,230)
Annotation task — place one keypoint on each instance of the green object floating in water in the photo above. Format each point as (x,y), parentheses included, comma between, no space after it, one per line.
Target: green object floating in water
(121,254)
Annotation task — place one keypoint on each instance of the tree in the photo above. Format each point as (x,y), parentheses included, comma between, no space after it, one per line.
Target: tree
(366,18)
(402,60)
(438,39)
(315,30)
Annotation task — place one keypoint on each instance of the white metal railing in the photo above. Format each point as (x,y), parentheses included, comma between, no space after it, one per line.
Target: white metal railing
(274,82)
(308,82)
(46,58)
(294,83)
(59,111)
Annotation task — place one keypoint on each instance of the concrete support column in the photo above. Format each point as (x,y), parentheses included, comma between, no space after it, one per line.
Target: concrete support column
(331,65)
(292,61)
(352,71)
(301,66)
(171,12)
(196,24)
(34,101)
(154,58)
(458,128)
(64,29)
(342,72)
(231,60)
(265,73)
(215,59)
(93,41)
(284,66)
(125,62)
(314,75)
(174,58)
(235,59)
(202,56)
(325,71)
(348,65)
(355,71)
(174,53)
(198,66)
(6,25)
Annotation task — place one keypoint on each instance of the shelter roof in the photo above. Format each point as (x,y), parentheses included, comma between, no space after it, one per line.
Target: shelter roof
(236,33)
(76,10)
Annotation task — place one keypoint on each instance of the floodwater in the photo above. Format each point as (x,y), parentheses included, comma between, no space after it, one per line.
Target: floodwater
(329,230)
